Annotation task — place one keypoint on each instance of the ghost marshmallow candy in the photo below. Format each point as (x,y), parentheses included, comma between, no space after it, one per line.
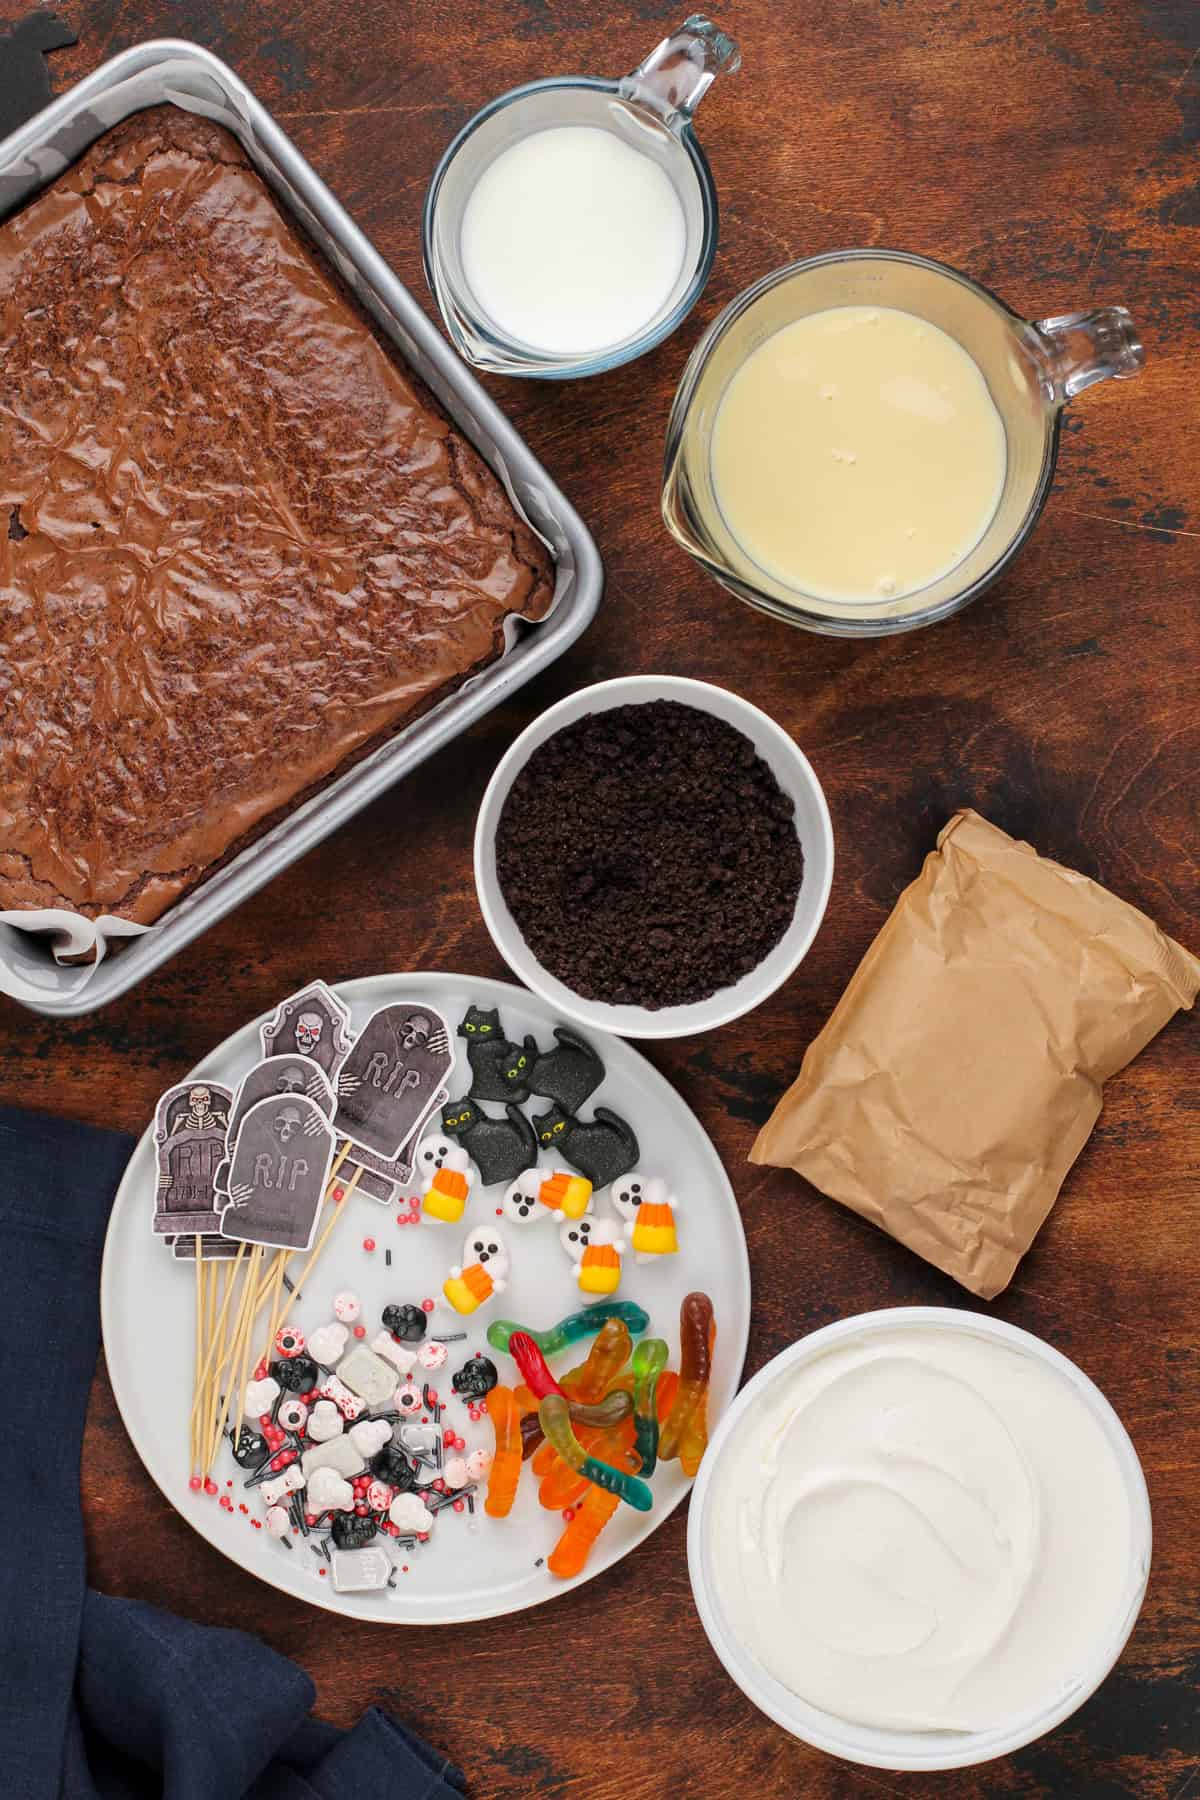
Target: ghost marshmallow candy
(482,1274)
(327,1344)
(367,1375)
(595,1247)
(401,1359)
(449,1189)
(646,1208)
(546,1193)
(324,1422)
(260,1397)
(340,1454)
(410,1515)
(327,1492)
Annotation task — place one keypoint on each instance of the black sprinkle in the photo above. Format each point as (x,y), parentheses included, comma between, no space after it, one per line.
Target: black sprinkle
(387,1257)
(289,1284)
(539,1562)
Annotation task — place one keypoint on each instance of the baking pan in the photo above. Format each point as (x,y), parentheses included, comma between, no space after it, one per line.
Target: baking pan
(189,76)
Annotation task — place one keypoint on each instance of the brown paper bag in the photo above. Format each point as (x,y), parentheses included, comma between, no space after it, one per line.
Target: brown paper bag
(960,1074)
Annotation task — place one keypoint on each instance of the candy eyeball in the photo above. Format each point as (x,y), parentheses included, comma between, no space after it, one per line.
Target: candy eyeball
(487,1248)
(575,1235)
(346,1307)
(521,1203)
(292,1414)
(433,1152)
(408,1399)
(289,1341)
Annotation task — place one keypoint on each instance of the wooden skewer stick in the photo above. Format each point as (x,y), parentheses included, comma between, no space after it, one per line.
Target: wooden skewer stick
(211,1368)
(274,1282)
(247,1312)
(201,1305)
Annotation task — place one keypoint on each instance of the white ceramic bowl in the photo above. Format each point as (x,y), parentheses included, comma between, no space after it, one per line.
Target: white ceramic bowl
(883,1749)
(795,776)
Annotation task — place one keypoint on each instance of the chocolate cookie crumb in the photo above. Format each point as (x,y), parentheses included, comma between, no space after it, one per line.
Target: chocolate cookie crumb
(648,855)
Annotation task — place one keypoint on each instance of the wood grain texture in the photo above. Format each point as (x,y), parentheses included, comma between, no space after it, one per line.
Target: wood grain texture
(1049,148)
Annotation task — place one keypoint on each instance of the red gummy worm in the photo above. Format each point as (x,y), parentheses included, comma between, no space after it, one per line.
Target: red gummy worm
(532,1364)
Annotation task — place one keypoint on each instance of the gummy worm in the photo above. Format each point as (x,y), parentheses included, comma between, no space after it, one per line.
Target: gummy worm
(555,1415)
(576,1325)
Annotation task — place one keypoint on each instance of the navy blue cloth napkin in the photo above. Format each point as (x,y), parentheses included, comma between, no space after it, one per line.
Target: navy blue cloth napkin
(105,1699)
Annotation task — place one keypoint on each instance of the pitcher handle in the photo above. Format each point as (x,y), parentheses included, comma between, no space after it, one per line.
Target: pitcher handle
(1079,349)
(676,75)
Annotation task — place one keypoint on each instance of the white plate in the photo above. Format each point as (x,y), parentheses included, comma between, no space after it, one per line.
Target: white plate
(461,1573)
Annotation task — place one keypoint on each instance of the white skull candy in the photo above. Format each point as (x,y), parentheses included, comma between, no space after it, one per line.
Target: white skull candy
(346,1306)
(324,1422)
(327,1492)
(327,1343)
(309,1027)
(369,1436)
(454,1472)
(410,1515)
(260,1397)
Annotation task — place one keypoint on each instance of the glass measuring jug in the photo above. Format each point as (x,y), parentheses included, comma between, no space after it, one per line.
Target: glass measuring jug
(1031,370)
(650,111)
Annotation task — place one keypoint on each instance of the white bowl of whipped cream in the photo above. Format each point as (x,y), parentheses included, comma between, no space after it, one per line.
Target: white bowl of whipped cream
(919,1538)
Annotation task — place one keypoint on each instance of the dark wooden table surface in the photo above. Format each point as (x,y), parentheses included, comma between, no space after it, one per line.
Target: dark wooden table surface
(1048,147)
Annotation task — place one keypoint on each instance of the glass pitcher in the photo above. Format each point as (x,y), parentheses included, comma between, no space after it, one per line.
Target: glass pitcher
(1031,370)
(651,109)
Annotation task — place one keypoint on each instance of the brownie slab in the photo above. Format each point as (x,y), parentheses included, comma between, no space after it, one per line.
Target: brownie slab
(238,543)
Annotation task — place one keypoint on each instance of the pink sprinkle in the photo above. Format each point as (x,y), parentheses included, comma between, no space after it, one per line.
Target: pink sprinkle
(339,1194)
(458,1506)
(195,1484)
(568,1514)
(427,1306)
(210,1486)
(360,1331)
(368,1243)
(499,1212)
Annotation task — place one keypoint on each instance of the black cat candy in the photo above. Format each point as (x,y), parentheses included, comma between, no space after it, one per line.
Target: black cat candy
(648,855)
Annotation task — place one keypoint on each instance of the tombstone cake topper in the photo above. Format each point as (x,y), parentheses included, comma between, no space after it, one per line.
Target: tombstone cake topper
(285,1073)
(189,1133)
(382,1177)
(278,1174)
(392,1076)
(312,1023)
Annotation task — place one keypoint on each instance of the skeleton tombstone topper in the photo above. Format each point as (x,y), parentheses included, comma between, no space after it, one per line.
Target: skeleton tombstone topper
(278,1174)
(392,1076)
(312,1023)
(189,1133)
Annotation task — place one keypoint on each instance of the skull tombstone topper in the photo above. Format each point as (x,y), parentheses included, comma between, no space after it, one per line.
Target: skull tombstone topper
(312,1023)
(278,1175)
(392,1076)
(189,1132)
(284,1074)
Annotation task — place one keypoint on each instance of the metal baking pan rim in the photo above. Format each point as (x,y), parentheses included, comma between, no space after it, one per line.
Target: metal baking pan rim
(475,414)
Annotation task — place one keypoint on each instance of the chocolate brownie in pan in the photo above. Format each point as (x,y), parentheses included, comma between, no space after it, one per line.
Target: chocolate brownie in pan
(239,544)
